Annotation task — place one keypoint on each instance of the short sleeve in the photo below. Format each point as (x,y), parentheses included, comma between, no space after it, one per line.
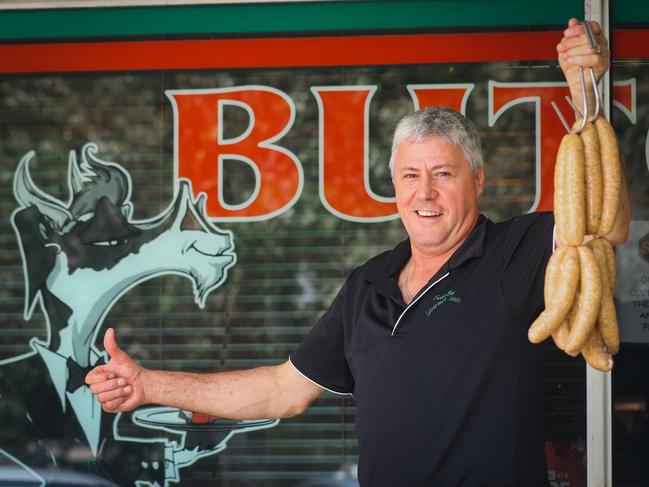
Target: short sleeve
(528,247)
(321,355)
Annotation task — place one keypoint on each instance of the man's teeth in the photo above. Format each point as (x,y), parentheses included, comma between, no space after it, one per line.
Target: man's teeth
(428,213)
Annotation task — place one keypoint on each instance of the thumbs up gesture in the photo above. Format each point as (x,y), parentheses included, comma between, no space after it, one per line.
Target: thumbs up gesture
(119,384)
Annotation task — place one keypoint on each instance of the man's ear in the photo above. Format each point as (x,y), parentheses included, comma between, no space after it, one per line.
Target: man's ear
(479,177)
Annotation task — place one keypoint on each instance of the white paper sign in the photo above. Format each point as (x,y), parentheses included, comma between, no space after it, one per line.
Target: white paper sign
(632,289)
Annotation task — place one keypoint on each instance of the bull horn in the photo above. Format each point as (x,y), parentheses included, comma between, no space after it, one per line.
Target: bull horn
(92,164)
(201,201)
(89,159)
(75,175)
(28,194)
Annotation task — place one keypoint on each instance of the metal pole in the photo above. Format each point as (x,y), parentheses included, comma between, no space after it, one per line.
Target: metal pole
(598,384)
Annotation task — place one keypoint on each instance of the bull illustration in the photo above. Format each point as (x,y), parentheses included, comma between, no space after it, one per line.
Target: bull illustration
(79,258)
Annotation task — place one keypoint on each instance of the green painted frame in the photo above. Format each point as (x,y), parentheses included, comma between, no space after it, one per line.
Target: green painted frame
(293,17)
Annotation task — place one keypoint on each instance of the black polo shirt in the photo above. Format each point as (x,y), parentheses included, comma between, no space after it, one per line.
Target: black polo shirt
(449,390)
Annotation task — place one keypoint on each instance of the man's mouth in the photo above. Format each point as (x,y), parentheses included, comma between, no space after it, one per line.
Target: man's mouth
(428,213)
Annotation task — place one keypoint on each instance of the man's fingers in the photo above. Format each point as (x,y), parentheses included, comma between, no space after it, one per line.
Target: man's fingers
(584,60)
(578,43)
(569,43)
(114,405)
(582,50)
(130,403)
(107,385)
(114,394)
(110,344)
(120,404)
(575,28)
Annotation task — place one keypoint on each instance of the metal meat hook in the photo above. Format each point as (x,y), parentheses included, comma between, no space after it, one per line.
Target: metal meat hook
(587,116)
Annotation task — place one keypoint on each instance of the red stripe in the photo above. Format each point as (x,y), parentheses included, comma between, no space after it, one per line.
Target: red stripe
(629,44)
(278,52)
(298,52)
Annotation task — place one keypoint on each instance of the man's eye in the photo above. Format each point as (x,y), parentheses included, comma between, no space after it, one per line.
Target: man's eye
(409,176)
(443,173)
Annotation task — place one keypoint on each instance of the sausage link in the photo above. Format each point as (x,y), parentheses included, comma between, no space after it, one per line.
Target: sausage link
(590,294)
(595,354)
(569,321)
(560,193)
(612,175)
(563,297)
(610,262)
(552,274)
(607,320)
(571,220)
(593,178)
(561,335)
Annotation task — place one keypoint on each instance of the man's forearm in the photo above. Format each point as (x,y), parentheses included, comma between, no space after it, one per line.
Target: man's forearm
(263,392)
(578,97)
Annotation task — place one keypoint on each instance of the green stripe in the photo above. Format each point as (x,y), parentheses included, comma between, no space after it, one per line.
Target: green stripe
(288,17)
(630,12)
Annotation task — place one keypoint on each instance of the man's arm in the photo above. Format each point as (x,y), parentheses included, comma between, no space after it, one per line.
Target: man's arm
(266,392)
(573,53)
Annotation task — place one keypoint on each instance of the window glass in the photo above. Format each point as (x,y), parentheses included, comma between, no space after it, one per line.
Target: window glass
(630,386)
(299,212)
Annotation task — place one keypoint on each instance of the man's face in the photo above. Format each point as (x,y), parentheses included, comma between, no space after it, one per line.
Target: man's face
(437,194)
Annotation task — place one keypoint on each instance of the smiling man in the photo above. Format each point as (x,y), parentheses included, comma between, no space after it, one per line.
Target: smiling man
(430,338)
(438,177)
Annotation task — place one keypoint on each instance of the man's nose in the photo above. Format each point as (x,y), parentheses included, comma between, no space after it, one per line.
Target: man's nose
(427,189)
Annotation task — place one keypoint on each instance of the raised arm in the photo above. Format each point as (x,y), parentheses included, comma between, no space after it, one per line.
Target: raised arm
(574,52)
(265,392)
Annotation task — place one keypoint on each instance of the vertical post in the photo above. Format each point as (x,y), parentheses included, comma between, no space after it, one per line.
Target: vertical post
(598,385)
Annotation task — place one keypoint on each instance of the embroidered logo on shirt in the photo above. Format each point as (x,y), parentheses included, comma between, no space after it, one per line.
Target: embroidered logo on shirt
(440,299)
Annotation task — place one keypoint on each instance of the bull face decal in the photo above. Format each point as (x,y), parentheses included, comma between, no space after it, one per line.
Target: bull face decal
(79,257)
(84,254)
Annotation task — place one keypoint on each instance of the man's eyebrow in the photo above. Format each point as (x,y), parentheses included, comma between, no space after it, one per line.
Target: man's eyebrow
(440,165)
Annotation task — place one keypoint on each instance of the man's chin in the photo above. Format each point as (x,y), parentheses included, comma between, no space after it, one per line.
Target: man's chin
(430,245)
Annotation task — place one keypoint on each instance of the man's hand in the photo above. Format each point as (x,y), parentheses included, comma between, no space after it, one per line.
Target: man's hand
(118,385)
(574,52)
(273,391)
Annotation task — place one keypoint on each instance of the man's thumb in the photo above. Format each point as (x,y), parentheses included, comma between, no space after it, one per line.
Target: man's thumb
(110,344)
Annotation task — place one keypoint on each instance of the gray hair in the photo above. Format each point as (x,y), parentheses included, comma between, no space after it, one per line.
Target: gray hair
(449,125)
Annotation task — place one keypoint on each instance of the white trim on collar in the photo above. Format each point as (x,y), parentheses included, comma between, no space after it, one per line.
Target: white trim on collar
(415,300)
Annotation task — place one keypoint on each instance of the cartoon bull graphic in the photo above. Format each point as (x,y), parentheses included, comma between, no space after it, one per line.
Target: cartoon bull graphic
(78,258)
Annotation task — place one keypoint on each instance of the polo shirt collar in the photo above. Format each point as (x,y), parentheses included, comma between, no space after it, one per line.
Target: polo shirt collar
(384,280)
(472,247)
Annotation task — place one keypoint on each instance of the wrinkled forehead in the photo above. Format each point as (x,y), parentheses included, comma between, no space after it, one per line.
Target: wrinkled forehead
(432,150)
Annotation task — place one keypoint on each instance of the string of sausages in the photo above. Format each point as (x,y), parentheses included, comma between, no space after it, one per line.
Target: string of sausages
(580,277)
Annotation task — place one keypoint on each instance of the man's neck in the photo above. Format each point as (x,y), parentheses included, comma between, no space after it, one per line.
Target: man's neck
(425,264)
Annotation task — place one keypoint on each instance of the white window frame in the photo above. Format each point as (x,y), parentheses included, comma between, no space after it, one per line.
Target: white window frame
(599,454)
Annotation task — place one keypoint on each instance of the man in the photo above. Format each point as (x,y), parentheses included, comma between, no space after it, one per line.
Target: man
(430,338)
